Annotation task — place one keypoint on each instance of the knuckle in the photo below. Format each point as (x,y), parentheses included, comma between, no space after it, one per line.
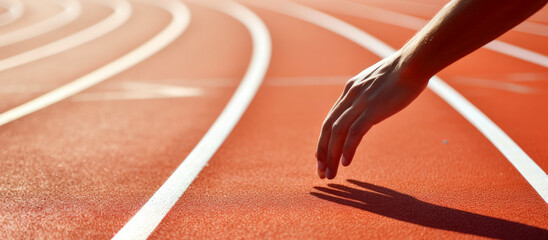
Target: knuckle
(354,131)
(338,127)
(352,108)
(354,88)
(350,83)
(326,127)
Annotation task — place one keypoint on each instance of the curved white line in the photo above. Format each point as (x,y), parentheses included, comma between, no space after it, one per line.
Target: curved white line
(122,11)
(525,27)
(494,84)
(518,52)
(521,161)
(71,10)
(533,28)
(15,11)
(152,213)
(179,22)
(415,23)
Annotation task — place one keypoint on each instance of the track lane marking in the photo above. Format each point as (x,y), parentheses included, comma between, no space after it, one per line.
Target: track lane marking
(122,12)
(15,11)
(524,27)
(518,52)
(179,22)
(533,28)
(527,76)
(536,177)
(494,84)
(155,209)
(196,85)
(415,23)
(141,90)
(71,10)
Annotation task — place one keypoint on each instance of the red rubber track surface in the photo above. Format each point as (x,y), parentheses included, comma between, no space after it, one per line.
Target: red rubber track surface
(81,168)
(34,13)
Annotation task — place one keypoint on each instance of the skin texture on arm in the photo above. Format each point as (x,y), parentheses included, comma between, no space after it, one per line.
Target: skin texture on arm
(387,87)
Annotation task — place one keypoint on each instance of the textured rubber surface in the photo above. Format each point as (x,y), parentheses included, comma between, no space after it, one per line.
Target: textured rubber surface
(80,169)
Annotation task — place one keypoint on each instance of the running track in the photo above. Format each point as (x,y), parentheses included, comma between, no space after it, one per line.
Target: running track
(164,119)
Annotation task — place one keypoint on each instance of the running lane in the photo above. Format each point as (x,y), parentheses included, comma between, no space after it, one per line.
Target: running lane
(424,172)
(10,11)
(24,77)
(121,11)
(530,35)
(34,12)
(91,161)
(70,10)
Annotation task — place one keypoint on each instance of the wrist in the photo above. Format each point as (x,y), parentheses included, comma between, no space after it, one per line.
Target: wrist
(412,68)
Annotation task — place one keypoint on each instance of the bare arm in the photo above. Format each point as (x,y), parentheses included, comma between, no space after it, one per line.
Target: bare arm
(385,88)
(460,28)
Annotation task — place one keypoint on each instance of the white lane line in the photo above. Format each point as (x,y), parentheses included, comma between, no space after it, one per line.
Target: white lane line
(495,84)
(521,161)
(180,20)
(71,10)
(122,11)
(533,28)
(152,213)
(15,11)
(173,88)
(518,52)
(527,77)
(414,23)
(141,90)
(428,9)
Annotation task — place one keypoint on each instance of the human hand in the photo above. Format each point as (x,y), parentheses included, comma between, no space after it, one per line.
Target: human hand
(375,94)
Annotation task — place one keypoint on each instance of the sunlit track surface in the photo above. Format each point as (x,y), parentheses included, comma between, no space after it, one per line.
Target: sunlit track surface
(71,9)
(406,21)
(426,10)
(14,10)
(121,12)
(130,119)
(170,114)
(152,213)
(144,51)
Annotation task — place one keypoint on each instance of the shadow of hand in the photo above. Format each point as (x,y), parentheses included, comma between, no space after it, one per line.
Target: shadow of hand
(389,203)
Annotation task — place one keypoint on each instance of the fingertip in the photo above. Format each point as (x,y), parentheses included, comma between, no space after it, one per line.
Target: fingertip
(321,166)
(329,174)
(345,162)
(321,174)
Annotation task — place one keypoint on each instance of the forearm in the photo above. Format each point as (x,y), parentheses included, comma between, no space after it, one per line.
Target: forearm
(461,27)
